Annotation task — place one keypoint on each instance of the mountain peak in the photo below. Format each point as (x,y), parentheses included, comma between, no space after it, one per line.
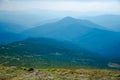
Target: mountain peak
(68,19)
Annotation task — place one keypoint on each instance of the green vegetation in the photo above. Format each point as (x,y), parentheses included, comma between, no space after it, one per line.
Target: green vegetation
(48,53)
(23,73)
(47,59)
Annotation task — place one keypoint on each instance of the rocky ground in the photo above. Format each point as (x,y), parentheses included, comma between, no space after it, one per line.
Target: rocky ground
(22,73)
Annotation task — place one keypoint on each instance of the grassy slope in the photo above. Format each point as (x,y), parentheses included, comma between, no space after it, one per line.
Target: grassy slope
(22,73)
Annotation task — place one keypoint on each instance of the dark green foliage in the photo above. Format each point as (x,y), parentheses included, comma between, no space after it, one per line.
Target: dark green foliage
(48,53)
(30,69)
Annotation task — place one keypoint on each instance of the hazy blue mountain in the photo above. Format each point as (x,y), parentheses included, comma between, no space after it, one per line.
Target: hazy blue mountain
(9,37)
(10,33)
(26,18)
(66,29)
(112,22)
(103,42)
(9,27)
(45,52)
(83,33)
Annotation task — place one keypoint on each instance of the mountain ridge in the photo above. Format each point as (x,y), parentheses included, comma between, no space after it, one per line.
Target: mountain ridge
(76,30)
(45,52)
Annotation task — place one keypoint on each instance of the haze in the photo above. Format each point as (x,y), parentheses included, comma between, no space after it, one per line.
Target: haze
(81,6)
(32,13)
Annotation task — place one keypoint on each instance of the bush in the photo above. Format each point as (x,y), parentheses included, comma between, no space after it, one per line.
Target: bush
(30,69)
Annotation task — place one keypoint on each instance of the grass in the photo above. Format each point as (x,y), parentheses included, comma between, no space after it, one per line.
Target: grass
(23,73)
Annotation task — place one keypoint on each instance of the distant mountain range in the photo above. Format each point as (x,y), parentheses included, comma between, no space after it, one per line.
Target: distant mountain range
(111,22)
(10,32)
(67,28)
(81,32)
(45,52)
(28,19)
(68,41)
(9,37)
(10,27)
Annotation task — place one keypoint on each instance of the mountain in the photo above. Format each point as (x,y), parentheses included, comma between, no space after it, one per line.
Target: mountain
(10,32)
(9,37)
(103,42)
(84,33)
(9,27)
(27,18)
(111,22)
(66,29)
(46,52)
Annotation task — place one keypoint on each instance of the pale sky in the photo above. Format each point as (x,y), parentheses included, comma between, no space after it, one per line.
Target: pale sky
(102,6)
